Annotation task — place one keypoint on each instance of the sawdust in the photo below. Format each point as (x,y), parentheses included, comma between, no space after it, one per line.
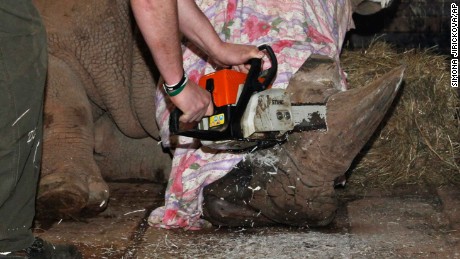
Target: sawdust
(263,243)
(269,159)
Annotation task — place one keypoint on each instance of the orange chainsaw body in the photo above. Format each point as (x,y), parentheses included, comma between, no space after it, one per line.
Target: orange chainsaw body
(226,84)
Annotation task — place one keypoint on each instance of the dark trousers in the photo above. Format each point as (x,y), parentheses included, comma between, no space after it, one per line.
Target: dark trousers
(23,64)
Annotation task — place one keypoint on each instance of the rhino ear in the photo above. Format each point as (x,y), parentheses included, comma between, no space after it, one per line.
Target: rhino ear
(367,7)
(315,81)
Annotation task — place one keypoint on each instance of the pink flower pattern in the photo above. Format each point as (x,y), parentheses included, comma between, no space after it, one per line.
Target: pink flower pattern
(255,28)
(317,37)
(194,75)
(280,45)
(231,9)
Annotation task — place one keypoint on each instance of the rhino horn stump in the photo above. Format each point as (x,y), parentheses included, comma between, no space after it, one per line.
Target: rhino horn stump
(293,183)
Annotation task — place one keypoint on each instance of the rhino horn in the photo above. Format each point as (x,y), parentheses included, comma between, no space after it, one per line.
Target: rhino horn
(352,118)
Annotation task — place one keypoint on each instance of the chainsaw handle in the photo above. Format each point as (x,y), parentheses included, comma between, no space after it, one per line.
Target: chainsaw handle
(174,121)
(253,85)
(271,72)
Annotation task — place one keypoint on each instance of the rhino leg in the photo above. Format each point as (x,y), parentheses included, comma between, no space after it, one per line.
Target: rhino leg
(293,183)
(122,158)
(70,179)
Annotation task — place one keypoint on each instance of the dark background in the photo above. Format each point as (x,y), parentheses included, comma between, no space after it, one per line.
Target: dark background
(406,24)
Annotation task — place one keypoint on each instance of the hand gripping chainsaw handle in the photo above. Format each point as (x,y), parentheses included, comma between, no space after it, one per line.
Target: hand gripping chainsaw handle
(256,81)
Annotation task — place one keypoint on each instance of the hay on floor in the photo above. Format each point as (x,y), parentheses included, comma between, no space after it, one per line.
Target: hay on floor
(419,141)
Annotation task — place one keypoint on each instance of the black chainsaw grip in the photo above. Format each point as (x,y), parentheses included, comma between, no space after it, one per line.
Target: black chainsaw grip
(271,72)
(253,84)
(174,121)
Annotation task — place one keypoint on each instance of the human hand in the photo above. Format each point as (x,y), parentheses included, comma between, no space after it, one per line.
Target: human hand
(229,54)
(195,103)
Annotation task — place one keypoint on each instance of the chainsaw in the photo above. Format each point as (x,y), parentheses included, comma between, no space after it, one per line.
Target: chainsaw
(248,113)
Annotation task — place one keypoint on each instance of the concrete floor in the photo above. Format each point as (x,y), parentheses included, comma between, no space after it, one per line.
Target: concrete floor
(403,223)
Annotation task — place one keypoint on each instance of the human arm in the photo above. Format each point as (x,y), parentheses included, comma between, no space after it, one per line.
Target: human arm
(158,22)
(197,28)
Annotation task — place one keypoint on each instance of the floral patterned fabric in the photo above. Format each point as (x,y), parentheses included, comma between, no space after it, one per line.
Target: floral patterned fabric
(295,29)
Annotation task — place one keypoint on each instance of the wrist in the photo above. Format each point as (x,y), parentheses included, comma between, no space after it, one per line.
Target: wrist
(215,50)
(173,78)
(173,90)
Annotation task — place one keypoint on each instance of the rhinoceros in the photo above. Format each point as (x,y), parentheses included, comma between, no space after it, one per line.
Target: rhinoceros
(100,124)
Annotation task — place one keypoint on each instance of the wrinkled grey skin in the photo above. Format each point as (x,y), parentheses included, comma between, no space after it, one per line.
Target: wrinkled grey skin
(99,107)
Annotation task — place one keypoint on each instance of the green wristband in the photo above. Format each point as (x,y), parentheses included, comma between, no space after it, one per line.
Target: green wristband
(173,91)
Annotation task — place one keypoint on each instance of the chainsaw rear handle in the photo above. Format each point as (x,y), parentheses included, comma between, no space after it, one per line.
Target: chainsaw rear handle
(174,121)
(251,85)
(270,73)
